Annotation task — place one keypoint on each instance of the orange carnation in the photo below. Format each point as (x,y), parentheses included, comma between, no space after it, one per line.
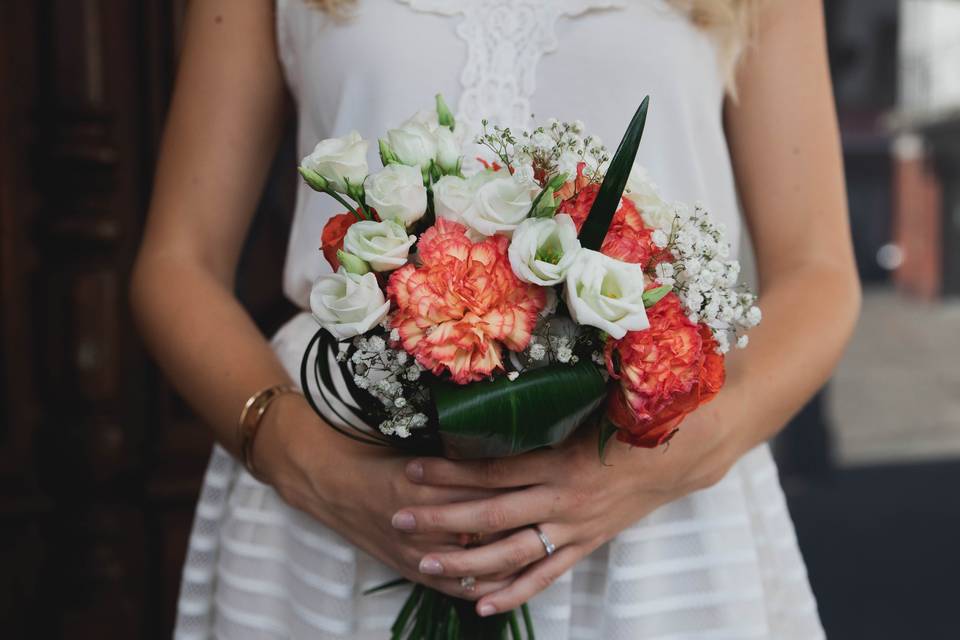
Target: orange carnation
(628,238)
(331,240)
(664,373)
(455,310)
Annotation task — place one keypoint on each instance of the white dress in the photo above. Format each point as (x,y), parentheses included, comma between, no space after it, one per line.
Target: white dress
(719,563)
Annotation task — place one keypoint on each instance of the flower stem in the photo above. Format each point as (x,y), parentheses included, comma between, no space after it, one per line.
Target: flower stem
(357,211)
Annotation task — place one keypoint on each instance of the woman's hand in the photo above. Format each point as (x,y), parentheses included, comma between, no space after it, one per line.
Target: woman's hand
(356,489)
(577,501)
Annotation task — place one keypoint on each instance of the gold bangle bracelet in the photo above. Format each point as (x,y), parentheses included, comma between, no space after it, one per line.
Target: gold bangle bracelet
(250,418)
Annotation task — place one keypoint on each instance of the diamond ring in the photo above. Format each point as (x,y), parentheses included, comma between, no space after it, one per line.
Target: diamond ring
(469,583)
(548,546)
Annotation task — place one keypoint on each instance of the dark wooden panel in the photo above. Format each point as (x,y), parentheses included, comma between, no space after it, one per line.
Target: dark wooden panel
(100,462)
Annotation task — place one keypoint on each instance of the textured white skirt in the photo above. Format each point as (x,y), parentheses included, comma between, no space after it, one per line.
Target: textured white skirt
(719,563)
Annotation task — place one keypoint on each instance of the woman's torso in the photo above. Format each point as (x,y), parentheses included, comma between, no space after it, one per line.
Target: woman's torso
(592,60)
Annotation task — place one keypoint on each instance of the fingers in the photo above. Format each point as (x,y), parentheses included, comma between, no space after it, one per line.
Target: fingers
(505,512)
(500,473)
(444,495)
(466,591)
(504,558)
(534,580)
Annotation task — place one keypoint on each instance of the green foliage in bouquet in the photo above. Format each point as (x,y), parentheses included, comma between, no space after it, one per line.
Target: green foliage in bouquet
(608,198)
(504,417)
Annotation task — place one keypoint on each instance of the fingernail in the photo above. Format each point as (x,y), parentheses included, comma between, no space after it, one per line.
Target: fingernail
(486,610)
(431,567)
(415,471)
(404,521)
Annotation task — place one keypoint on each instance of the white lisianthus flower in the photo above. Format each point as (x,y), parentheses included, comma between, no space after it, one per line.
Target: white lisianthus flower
(500,205)
(339,160)
(543,249)
(452,196)
(347,304)
(606,293)
(645,195)
(448,149)
(413,143)
(384,245)
(397,192)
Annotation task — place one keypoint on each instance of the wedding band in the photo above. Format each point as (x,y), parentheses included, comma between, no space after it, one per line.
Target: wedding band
(548,546)
(469,583)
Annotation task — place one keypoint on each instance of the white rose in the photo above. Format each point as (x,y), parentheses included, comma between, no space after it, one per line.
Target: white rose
(397,191)
(413,143)
(543,249)
(448,149)
(500,205)
(645,195)
(384,245)
(453,195)
(347,304)
(338,160)
(605,293)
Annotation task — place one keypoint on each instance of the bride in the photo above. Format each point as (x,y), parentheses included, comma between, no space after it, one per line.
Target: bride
(690,542)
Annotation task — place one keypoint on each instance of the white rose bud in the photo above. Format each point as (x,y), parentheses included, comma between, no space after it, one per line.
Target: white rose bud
(543,249)
(397,192)
(383,245)
(348,304)
(448,150)
(339,160)
(605,293)
(500,205)
(414,143)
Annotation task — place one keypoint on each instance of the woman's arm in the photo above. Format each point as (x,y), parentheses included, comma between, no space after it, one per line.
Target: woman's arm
(221,135)
(785,146)
(220,139)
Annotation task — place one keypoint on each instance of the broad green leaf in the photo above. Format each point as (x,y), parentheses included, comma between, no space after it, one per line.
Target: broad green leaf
(500,418)
(608,198)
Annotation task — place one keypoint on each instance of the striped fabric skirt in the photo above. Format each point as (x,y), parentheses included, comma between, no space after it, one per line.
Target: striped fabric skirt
(718,563)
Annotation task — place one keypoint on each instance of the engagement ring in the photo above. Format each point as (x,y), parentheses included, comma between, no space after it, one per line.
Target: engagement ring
(548,546)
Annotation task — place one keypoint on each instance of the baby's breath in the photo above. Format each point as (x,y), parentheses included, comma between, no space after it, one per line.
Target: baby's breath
(705,278)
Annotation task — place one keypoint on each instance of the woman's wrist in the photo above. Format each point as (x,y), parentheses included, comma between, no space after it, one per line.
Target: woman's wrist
(288,428)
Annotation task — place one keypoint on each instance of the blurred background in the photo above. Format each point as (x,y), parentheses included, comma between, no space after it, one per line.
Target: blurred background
(100,462)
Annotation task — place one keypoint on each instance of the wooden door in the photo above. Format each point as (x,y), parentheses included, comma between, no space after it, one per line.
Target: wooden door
(100,462)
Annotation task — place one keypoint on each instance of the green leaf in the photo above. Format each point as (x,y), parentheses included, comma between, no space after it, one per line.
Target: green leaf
(653,296)
(500,418)
(608,198)
(607,431)
(385,586)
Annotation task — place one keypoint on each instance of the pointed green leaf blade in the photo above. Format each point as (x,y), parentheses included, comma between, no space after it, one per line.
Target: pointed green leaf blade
(608,198)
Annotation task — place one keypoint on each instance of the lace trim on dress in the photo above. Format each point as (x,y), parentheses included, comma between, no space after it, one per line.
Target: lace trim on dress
(505,41)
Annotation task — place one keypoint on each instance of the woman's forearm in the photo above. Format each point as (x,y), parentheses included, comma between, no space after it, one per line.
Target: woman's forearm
(203,339)
(808,317)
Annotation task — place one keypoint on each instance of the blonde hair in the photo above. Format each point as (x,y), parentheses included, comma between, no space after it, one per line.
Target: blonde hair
(730,22)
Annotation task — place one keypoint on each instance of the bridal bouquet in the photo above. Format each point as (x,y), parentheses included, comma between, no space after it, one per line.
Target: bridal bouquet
(488,306)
